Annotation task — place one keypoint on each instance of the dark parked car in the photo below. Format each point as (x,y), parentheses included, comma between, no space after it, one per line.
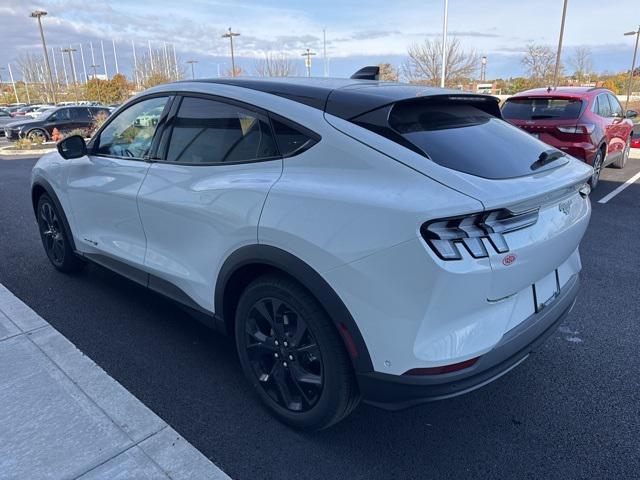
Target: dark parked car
(64,119)
(588,123)
(5,118)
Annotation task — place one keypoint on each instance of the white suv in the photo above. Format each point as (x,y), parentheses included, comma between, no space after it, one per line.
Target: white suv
(357,239)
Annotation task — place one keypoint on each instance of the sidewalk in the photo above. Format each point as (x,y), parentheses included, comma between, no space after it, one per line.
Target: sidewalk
(62,416)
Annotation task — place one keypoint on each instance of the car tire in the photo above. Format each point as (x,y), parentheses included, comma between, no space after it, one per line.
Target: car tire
(293,355)
(622,161)
(597,169)
(37,133)
(53,233)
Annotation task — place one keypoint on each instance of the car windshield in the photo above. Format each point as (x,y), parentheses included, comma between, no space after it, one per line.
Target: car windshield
(541,108)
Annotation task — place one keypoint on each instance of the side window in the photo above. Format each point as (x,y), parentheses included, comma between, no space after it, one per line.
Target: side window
(616,108)
(61,115)
(130,133)
(604,109)
(292,139)
(208,131)
(81,114)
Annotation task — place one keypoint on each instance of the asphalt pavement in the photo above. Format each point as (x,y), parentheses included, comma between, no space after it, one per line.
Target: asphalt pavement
(572,410)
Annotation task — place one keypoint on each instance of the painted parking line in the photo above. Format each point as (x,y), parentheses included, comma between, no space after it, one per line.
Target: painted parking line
(63,416)
(610,195)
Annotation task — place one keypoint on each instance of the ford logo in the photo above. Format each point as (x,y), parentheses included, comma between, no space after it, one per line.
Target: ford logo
(508,259)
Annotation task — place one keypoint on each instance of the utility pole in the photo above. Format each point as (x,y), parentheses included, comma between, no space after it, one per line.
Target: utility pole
(13,82)
(307,61)
(135,62)
(75,81)
(483,69)
(192,62)
(230,36)
(633,64)
(104,61)
(115,55)
(39,14)
(445,25)
(324,52)
(84,67)
(64,68)
(557,66)
(95,78)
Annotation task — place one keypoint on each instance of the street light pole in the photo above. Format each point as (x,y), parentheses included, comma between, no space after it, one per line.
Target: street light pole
(444,43)
(483,69)
(38,14)
(633,65)
(192,62)
(97,80)
(230,36)
(557,66)
(307,61)
(70,51)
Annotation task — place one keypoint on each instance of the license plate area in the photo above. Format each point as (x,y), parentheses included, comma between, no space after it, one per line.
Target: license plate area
(546,290)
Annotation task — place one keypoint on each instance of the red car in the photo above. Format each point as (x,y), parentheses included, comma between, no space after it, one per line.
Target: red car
(587,123)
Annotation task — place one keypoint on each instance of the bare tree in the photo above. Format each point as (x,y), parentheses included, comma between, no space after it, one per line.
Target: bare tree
(388,73)
(539,61)
(32,69)
(425,62)
(581,62)
(275,65)
(155,67)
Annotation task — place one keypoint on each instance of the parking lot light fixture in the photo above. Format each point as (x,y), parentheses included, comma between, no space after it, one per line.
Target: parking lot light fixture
(556,69)
(633,64)
(307,61)
(192,63)
(38,14)
(230,36)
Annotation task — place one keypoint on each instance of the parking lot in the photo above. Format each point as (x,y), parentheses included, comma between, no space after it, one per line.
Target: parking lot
(570,411)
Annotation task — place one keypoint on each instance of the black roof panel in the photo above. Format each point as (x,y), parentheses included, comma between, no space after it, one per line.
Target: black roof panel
(342,97)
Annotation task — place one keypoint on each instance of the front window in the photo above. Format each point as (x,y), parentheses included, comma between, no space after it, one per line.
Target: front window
(130,134)
(542,108)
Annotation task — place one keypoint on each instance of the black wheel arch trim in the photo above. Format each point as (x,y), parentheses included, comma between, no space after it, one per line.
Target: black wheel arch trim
(266,255)
(46,186)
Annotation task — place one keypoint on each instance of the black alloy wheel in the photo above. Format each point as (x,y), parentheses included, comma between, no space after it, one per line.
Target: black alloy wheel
(52,233)
(284,354)
(597,169)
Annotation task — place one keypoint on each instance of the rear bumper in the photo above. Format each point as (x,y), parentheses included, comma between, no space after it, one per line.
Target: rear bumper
(394,392)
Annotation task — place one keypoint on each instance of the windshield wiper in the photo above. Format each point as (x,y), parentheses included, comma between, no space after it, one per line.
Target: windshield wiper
(546,157)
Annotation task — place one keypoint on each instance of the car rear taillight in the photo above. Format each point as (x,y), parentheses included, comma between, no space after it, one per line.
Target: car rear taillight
(584,129)
(445,236)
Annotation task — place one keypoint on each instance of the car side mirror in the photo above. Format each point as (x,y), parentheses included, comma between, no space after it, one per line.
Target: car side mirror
(72,147)
(631,114)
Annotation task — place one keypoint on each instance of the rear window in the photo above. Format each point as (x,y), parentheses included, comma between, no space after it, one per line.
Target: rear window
(541,108)
(465,138)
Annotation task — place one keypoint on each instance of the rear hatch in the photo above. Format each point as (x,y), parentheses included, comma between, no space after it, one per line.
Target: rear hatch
(462,142)
(552,119)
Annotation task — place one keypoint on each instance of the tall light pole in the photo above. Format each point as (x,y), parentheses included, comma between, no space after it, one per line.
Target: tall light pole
(445,25)
(230,36)
(135,62)
(483,69)
(557,66)
(97,80)
(39,14)
(633,64)
(307,61)
(70,51)
(13,82)
(192,62)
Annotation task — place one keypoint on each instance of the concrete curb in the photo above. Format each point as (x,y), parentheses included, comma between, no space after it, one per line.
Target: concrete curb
(62,416)
(8,151)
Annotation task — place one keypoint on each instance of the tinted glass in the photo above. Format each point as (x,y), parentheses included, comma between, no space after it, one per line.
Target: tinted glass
(130,133)
(467,139)
(81,114)
(291,140)
(61,115)
(207,131)
(541,108)
(603,107)
(616,108)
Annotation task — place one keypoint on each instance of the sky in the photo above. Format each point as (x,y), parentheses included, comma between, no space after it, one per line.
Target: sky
(358,33)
